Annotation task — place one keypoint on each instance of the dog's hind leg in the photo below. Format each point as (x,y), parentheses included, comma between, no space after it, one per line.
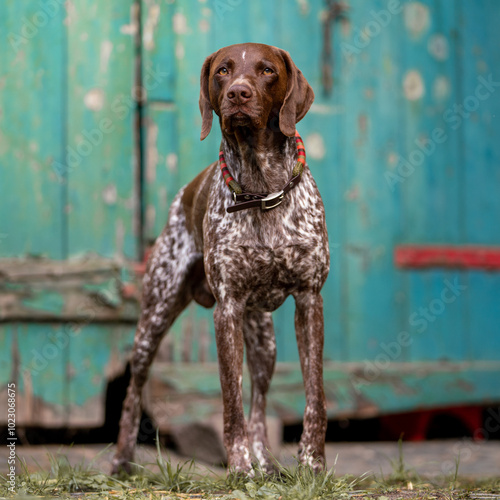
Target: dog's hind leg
(309,329)
(167,290)
(260,342)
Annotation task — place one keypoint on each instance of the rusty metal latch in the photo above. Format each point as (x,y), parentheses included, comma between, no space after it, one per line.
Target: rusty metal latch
(334,10)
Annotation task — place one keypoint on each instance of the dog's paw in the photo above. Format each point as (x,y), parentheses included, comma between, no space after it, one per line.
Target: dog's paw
(314,460)
(121,466)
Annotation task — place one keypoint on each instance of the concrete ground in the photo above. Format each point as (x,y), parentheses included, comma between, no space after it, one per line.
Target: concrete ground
(430,459)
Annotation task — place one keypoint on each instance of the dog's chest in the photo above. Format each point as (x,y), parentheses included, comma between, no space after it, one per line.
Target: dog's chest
(266,256)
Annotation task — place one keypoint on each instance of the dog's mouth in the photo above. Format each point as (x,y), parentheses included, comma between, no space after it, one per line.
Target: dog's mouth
(240,117)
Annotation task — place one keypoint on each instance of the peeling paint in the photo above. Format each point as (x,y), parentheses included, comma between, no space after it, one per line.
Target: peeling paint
(70,13)
(132,27)
(441,88)
(413,85)
(325,109)
(110,194)
(179,50)
(416,18)
(362,124)
(204,26)
(392,159)
(315,146)
(106,49)
(152,152)
(438,47)
(482,67)
(352,194)
(369,93)
(163,198)
(304,7)
(179,24)
(119,237)
(150,216)
(94,99)
(171,162)
(148,36)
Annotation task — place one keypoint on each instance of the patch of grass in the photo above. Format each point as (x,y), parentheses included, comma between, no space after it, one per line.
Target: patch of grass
(184,481)
(60,479)
(298,483)
(180,481)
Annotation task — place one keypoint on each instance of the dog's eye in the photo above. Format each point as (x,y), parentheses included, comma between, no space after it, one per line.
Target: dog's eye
(222,71)
(268,71)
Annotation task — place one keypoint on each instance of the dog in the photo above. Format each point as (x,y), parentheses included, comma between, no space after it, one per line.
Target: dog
(245,234)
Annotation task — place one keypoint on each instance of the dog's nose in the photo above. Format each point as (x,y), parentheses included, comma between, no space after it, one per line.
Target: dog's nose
(239,94)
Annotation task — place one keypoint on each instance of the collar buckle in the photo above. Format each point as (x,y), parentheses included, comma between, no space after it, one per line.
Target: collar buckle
(272,200)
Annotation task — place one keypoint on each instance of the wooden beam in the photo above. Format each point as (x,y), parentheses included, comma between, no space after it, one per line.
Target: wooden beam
(84,290)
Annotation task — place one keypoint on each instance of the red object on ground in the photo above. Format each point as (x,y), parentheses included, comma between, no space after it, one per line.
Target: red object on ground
(414,426)
(464,257)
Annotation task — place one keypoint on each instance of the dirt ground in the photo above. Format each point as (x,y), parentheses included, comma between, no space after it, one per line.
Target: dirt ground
(477,460)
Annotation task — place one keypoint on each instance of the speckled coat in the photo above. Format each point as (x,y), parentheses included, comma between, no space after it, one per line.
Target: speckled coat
(247,262)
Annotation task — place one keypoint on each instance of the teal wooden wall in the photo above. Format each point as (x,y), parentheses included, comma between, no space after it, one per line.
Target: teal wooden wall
(99,128)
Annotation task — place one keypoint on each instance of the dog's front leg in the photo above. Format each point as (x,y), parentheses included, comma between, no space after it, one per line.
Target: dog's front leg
(310,337)
(228,319)
(260,341)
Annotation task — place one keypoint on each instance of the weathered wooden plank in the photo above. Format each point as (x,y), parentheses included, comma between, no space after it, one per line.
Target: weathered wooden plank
(101,107)
(161,179)
(192,47)
(7,360)
(97,353)
(32,102)
(61,370)
(193,391)
(86,291)
(371,79)
(483,306)
(38,369)
(477,117)
(477,120)
(429,175)
(159,27)
(321,133)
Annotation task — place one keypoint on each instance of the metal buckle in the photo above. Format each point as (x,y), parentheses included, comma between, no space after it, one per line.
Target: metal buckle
(275,198)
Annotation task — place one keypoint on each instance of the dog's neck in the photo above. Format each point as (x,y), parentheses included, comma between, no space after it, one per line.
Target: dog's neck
(261,160)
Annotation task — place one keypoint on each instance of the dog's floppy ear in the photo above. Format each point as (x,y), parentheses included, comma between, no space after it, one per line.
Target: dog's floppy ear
(205,105)
(298,99)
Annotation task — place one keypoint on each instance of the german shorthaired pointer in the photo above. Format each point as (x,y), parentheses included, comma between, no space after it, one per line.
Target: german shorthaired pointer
(228,241)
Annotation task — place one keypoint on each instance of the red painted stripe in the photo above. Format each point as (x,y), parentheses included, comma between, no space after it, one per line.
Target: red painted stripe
(462,257)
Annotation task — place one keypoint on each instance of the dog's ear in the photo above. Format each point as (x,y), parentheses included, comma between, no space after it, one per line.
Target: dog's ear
(205,105)
(298,99)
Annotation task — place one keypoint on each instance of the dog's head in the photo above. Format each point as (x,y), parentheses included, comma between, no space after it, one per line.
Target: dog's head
(253,85)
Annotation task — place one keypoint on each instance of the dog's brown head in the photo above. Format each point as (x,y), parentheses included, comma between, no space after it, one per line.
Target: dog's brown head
(253,85)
